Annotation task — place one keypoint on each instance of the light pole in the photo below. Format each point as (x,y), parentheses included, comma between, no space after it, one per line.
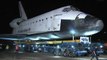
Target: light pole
(90,39)
(73,34)
(73,38)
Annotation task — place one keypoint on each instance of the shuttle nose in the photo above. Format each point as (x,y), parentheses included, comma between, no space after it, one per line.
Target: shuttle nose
(95,25)
(99,25)
(87,25)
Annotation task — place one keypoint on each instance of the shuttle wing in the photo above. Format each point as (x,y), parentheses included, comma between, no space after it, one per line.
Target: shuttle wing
(39,36)
(12,36)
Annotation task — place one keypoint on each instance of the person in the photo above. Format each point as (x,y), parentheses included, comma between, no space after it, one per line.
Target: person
(94,53)
(7,47)
(17,48)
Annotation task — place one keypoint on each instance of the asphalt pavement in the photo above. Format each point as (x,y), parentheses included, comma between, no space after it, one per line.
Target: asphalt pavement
(41,56)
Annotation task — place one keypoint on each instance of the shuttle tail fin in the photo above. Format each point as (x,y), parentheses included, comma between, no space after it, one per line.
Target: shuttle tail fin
(22,12)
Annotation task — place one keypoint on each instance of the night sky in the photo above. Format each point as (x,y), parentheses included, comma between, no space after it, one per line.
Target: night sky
(9,10)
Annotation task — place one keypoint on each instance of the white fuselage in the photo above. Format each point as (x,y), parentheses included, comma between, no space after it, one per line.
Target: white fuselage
(47,22)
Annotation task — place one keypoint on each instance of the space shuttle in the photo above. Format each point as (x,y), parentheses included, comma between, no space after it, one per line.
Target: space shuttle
(60,23)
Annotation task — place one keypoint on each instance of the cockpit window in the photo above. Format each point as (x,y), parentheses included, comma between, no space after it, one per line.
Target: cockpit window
(89,17)
(86,19)
(69,9)
(66,9)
